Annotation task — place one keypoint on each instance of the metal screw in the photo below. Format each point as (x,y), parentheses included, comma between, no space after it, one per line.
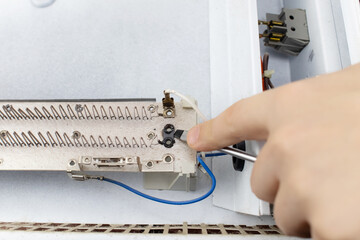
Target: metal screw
(87,160)
(169,112)
(3,133)
(151,135)
(152,108)
(76,135)
(78,108)
(150,164)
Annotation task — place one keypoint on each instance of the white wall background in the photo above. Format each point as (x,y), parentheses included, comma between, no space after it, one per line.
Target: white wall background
(104,49)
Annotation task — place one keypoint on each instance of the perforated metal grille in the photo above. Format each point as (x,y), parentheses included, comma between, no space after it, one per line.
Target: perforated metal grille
(204,229)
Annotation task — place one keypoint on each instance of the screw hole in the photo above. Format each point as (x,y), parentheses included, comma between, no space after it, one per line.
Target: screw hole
(168,142)
(169,113)
(151,135)
(72,163)
(168,159)
(293,29)
(152,108)
(291,17)
(169,128)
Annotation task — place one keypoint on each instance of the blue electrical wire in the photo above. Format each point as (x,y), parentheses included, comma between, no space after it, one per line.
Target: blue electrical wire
(213,185)
(215,154)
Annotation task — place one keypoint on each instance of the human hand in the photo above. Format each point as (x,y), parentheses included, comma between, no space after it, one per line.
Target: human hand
(310,165)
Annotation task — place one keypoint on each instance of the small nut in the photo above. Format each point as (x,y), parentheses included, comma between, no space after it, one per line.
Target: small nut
(152,108)
(169,128)
(169,112)
(168,142)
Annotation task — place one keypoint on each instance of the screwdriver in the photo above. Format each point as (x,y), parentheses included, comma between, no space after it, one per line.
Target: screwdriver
(182,135)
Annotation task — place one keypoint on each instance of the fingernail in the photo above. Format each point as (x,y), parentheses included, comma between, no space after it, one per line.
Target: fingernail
(193,135)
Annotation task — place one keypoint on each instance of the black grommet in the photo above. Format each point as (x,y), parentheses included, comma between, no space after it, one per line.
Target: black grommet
(169,128)
(239,164)
(168,142)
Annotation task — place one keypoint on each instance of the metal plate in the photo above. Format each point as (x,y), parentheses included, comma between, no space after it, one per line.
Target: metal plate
(98,136)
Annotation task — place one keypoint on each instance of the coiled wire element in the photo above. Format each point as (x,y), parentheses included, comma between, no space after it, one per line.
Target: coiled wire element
(56,139)
(80,112)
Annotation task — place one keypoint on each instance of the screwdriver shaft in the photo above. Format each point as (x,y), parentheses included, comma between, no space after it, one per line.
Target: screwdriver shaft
(239,154)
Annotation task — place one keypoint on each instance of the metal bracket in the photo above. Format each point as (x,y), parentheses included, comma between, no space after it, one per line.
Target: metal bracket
(287,32)
(168,106)
(74,172)
(83,177)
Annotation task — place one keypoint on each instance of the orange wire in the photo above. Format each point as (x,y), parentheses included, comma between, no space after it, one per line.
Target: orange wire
(262,74)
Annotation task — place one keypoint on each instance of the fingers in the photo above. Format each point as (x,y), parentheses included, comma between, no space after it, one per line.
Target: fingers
(264,177)
(287,195)
(289,212)
(246,119)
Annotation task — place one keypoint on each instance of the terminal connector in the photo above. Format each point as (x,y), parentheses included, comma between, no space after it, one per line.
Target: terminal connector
(168,106)
(287,32)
